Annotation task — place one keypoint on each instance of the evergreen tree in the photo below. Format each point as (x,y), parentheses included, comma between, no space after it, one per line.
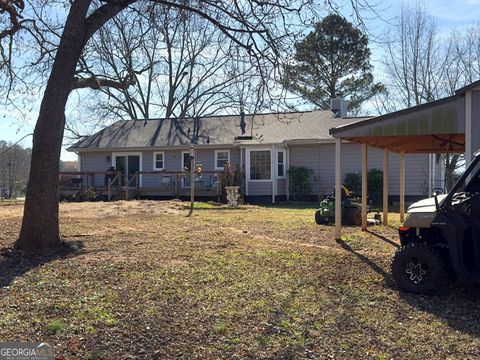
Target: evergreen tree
(333,58)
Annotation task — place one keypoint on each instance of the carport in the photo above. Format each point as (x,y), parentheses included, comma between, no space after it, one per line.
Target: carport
(449,125)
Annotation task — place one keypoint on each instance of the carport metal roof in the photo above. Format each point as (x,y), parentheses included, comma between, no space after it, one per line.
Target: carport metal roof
(449,125)
(434,127)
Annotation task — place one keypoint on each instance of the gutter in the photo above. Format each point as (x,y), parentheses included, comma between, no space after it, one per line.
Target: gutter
(207,146)
(309,141)
(151,148)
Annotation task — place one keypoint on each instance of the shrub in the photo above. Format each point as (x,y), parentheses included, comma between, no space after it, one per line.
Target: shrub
(353,181)
(299,177)
(375,186)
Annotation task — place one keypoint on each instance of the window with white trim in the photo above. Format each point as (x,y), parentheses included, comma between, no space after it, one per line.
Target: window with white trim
(158,161)
(221,158)
(260,165)
(281,163)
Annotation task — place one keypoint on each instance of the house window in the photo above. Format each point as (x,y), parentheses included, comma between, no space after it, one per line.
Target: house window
(281,163)
(260,165)
(158,161)
(221,158)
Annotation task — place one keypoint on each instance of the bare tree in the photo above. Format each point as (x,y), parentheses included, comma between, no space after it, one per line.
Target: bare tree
(422,67)
(416,59)
(179,61)
(259,29)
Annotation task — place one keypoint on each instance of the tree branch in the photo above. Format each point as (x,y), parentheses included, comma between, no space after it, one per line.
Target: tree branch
(96,83)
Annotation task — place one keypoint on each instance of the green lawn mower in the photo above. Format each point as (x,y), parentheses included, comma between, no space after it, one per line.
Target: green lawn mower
(351,209)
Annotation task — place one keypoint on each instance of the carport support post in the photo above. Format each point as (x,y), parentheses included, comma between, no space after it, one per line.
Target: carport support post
(385,187)
(468,128)
(364,186)
(402,186)
(338,189)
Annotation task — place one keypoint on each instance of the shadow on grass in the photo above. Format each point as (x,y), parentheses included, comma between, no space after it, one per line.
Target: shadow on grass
(292,205)
(456,306)
(13,264)
(381,237)
(378,269)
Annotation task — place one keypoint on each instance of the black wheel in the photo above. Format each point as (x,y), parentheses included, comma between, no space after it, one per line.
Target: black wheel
(319,219)
(418,268)
(353,216)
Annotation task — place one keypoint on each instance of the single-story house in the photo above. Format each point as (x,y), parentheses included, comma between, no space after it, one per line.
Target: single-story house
(263,145)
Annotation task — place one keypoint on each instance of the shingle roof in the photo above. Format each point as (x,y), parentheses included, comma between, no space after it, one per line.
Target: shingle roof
(214,130)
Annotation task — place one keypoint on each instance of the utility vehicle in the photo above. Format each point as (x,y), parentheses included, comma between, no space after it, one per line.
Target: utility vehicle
(441,237)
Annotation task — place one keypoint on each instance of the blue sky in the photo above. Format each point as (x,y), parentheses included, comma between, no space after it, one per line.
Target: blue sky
(449,14)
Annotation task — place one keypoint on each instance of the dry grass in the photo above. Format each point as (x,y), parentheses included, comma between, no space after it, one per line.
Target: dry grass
(249,283)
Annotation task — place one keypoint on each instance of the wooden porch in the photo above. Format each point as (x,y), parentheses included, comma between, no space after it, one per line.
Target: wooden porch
(111,185)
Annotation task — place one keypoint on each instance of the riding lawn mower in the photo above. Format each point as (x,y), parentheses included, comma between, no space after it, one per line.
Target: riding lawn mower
(351,209)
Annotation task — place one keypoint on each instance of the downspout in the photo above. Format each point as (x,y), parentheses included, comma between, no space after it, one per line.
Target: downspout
(287,166)
(429,175)
(273,167)
(242,171)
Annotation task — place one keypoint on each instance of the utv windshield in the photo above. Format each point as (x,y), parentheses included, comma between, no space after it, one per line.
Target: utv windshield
(468,182)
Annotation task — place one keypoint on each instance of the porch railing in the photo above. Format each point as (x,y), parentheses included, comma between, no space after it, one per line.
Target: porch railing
(143,183)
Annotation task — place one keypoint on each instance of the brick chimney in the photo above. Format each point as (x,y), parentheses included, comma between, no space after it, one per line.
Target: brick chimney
(338,105)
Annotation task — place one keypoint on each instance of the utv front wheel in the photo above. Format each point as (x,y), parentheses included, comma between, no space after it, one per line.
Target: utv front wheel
(418,268)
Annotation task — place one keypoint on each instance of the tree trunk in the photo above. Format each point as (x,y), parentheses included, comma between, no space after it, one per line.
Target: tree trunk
(450,167)
(40,227)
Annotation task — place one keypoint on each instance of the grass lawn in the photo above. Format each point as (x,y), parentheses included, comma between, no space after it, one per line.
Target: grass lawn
(255,282)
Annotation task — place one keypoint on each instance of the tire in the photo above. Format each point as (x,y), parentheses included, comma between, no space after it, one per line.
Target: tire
(319,219)
(353,216)
(418,268)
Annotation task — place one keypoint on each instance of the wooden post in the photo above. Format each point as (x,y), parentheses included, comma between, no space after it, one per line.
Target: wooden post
(192,179)
(176,185)
(219,186)
(127,192)
(137,185)
(468,130)
(385,187)
(109,189)
(364,186)
(402,186)
(338,190)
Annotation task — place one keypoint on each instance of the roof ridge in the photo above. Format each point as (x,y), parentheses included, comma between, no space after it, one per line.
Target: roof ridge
(228,115)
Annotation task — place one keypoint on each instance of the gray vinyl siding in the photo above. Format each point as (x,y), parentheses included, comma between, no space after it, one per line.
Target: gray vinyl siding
(321,159)
(259,188)
(281,187)
(93,162)
(96,161)
(171,162)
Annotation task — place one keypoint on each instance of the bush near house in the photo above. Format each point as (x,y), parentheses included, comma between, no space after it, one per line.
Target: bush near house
(353,181)
(299,182)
